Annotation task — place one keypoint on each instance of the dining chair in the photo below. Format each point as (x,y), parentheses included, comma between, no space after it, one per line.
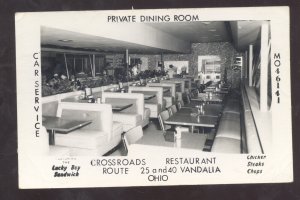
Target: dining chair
(172,110)
(130,137)
(188,98)
(133,135)
(164,115)
(183,128)
(179,104)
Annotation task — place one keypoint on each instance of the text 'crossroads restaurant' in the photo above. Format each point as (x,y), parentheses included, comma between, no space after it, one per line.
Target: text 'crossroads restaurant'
(121,89)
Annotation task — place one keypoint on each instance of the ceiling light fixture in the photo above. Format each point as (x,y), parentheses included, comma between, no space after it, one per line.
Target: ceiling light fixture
(212,30)
(206,23)
(217,35)
(65,40)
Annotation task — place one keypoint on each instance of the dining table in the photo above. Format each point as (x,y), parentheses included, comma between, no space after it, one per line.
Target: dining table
(166,89)
(192,120)
(214,110)
(221,91)
(147,94)
(213,98)
(207,117)
(158,139)
(61,125)
(117,107)
(211,87)
(215,89)
(194,104)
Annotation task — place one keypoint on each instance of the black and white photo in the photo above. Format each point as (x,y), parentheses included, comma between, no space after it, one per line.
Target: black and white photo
(153,97)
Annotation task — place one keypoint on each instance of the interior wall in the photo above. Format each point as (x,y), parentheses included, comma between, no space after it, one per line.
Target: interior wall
(225,50)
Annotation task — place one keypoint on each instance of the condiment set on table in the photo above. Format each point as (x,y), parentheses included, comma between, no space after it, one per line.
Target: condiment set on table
(89,97)
(200,109)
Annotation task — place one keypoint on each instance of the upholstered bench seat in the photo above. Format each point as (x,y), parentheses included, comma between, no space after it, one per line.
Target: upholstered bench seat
(231,116)
(226,145)
(155,104)
(147,112)
(232,107)
(228,136)
(82,138)
(96,138)
(129,117)
(146,119)
(129,120)
(154,108)
(117,129)
(233,100)
(169,101)
(229,129)
(178,96)
(164,104)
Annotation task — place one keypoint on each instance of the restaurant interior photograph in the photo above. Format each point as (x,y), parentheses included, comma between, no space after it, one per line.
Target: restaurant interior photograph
(121,88)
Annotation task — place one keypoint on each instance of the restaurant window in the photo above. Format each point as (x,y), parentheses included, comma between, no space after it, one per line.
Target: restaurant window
(72,65)
(261,69)
(66,72)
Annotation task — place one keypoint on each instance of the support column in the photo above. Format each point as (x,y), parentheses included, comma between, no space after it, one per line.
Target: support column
(127,65)
(66,65)
(74,69)
(91,65)
(246,65)
(250,64)
(94,65)
(264,54)
(162,61)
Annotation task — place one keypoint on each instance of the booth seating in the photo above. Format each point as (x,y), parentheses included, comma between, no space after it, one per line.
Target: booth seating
(50,103)
(95,139)
(187,84)
(237,131)
(110,88)
(155,104)
(228,136)
(169,96)
(179,87)
(232,105)
(130,117)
